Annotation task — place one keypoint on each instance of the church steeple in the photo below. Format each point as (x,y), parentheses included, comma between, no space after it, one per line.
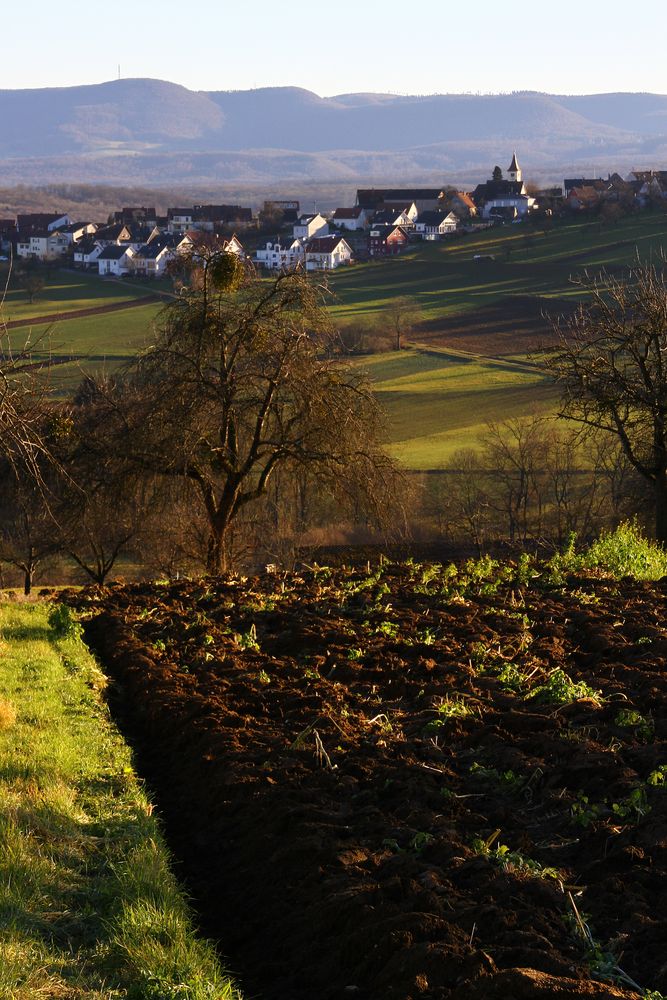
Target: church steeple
(514,172)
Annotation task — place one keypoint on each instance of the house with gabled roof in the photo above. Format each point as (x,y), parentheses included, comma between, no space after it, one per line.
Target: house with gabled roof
(386,241)
(115,259)
(425,199)
(38,222)
(152,259)
(86,252)
(325,253)
(391,217)
(351,219)
(310,226)
(75,231)
(435,225)
(281,255)
(461,203)
(408,208)
(584,197)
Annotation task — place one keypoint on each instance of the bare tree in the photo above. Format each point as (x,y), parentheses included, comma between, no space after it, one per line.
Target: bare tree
(28,533)
(611,365)
(238,385)
(402,314)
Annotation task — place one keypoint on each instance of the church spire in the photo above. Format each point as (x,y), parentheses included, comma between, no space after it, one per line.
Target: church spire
(514,172)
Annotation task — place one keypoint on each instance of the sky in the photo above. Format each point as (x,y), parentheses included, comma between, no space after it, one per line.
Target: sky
(344,46)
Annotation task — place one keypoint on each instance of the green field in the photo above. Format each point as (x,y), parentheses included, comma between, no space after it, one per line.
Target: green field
(65,291)
(437,403)
(443,279)
(440,393)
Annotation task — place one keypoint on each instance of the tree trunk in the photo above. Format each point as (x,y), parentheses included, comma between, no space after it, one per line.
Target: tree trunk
(28,574)
(661,508)
(216,553)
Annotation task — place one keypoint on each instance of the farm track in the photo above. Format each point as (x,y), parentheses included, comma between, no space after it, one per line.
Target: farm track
(82,313)
(324,799)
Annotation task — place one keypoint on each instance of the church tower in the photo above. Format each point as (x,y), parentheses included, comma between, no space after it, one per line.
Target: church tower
(514,172)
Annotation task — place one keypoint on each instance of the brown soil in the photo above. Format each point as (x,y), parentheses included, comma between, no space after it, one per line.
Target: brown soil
(325,805)
(516,325)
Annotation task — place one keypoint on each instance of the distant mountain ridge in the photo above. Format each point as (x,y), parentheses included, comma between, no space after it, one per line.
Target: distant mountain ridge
(153,131)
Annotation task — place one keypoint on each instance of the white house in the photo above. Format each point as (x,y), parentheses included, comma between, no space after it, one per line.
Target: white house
(35,245)
(57,245)
(115,259)
(325,253)
(234,245)
(86,252)
(279,256)
(152,259)
(310,226)
(435,225)
(180,220)
(351,218)
(78,230)
(409,209)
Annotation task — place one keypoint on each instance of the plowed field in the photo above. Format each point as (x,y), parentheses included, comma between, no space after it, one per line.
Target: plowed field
(404,784)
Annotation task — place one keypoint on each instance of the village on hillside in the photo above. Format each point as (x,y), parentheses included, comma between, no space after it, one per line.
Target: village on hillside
(136,241)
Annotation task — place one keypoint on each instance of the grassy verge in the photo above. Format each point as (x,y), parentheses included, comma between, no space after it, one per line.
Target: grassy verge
(88,905)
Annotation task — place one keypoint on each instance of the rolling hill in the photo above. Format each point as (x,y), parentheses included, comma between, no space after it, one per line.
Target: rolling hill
(142,131)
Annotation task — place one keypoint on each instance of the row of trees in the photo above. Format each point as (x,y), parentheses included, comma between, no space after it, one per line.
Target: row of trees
(532,484)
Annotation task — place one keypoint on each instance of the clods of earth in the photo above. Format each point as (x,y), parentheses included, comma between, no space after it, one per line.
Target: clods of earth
(408,781)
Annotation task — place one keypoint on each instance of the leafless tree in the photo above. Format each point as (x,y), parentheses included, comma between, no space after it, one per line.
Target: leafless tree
(238,384)
(611,365)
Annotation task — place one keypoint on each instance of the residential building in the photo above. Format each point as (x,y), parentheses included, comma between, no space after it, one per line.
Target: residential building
(435,225)
(351,219)
(408,208)
(584,198)
(152,259)
(325,253)
(462,205)
(391,217)
(386,241)
(281,255)
(115,259)
(32,222)
(424,199)
(310,226)
(288,209)
(144,215)
(86,252)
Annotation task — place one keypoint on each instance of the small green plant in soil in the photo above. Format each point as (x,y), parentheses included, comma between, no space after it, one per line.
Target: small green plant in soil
(506,780)
(629,718)
(584,812)
(248,640)
(560,689)
(451,707)
(513,861)
(512,678)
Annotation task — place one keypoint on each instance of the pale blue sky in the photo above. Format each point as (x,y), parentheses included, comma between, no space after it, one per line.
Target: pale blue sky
(421,46)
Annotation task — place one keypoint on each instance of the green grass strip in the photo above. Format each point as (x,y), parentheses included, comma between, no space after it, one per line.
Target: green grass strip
(88,905)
